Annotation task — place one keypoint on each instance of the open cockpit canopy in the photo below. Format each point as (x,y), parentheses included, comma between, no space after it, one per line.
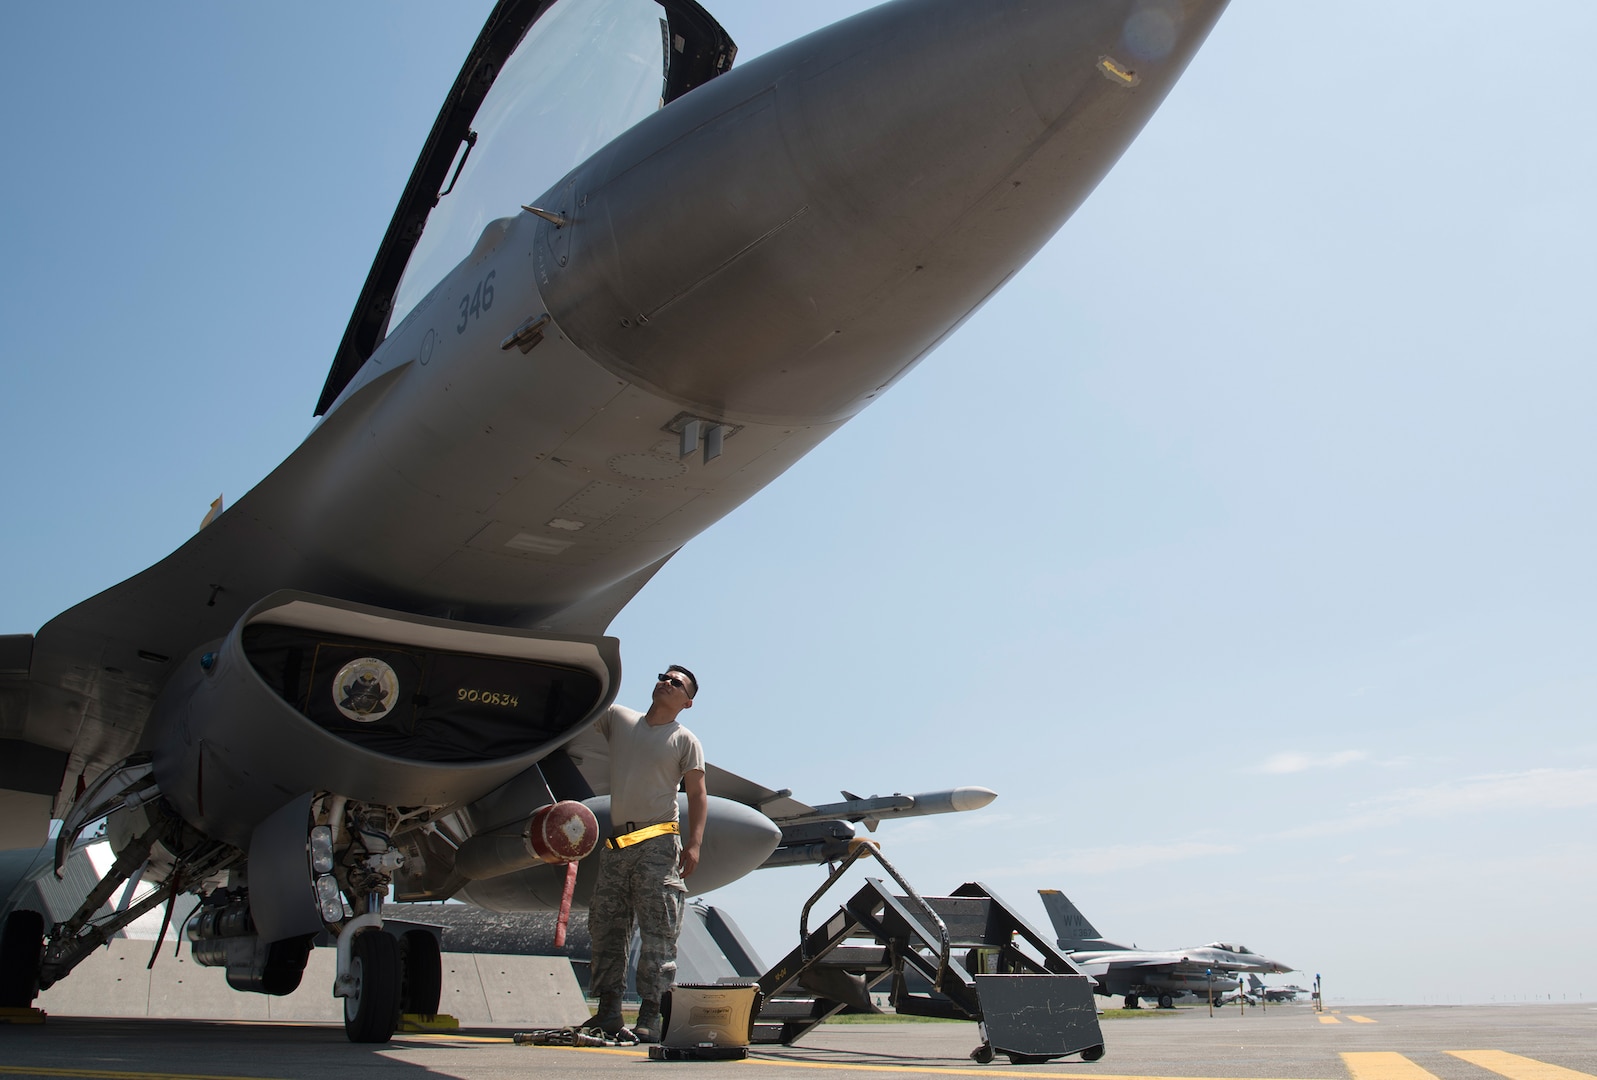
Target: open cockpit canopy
(546,83)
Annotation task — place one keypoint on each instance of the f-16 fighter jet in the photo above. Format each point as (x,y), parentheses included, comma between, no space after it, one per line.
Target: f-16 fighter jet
(1132,973)
(627,285)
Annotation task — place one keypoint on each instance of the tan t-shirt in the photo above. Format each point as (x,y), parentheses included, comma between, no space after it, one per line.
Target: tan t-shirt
(647,764)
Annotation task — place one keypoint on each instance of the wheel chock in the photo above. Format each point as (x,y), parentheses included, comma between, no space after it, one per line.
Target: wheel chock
(419,1022)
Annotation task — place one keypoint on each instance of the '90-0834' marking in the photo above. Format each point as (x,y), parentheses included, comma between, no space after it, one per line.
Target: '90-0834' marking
(487,697)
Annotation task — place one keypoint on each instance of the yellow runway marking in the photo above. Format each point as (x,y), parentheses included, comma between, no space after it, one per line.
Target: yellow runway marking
(1360,1019)
(1518,1068)
(617,1050)
(975,1070)
(906,1067)
(1329,1020)
(1383,1065)
(113,1074)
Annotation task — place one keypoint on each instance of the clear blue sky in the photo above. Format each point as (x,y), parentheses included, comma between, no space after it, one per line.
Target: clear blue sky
(1243,544)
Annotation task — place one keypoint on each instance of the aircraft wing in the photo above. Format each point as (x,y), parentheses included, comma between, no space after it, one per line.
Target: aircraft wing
(1187,964)
(773,804)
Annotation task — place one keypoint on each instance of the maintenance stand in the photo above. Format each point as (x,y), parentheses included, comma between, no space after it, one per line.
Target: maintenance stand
(1031,1006)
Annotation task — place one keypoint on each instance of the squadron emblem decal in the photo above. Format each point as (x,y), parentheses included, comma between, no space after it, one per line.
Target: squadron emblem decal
(365,689)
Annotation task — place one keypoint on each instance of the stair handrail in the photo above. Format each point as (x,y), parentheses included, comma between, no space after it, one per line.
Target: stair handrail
(857,848)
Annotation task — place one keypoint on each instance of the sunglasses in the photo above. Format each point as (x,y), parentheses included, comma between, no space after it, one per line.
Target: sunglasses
(674,680)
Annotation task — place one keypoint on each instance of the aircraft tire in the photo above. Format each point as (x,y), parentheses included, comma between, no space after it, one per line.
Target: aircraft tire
(1092,1053)
(1133,1001)
(983,1054)
(21,954)
(421,973)
(1166,1001)
(371,1013)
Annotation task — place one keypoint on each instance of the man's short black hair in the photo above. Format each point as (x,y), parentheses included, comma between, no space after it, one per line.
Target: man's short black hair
(692,678)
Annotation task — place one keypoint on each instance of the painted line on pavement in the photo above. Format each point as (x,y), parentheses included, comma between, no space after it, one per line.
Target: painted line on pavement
(929,1067)
(1383,1065)
(1518,1068)
(117,1074)
(974,1070)
(620,1051)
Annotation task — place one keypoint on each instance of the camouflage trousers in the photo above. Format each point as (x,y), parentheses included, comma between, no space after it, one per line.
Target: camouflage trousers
(639,882)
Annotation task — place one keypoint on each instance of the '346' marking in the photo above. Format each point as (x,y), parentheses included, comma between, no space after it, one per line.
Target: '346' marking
(474,303)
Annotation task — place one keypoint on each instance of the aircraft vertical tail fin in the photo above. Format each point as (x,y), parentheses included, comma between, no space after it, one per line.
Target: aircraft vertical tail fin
(1070,924)
(1255,983)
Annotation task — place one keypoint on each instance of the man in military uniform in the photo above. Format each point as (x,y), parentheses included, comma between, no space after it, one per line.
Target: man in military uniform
(643,861)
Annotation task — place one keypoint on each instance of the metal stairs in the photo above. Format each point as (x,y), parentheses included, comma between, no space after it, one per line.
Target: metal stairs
(966,956)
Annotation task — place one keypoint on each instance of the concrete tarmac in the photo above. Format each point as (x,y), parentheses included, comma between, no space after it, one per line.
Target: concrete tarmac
(1518,1042)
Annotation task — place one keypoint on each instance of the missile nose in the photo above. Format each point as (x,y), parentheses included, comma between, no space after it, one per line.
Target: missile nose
(787,240)
(950,801)
(972,798)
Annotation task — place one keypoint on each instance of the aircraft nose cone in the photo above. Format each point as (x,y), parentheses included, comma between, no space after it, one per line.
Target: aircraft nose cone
(787,240)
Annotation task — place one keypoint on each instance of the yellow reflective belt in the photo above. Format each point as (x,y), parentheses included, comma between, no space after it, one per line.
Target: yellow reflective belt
(648,832)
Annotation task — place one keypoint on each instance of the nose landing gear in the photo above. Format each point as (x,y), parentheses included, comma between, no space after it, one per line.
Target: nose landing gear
(371,1010)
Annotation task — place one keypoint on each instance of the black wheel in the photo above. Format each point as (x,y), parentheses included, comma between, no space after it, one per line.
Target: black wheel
(21,953)
(983,1054)
(421,973)
(371,1013)
(1093,1053)
(1166,1001)
(285,965)
(1027,1059)
(1133,1001)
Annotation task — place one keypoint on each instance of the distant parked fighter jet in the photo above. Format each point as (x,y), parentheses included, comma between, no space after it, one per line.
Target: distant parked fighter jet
(1123,971)
(1257,991)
